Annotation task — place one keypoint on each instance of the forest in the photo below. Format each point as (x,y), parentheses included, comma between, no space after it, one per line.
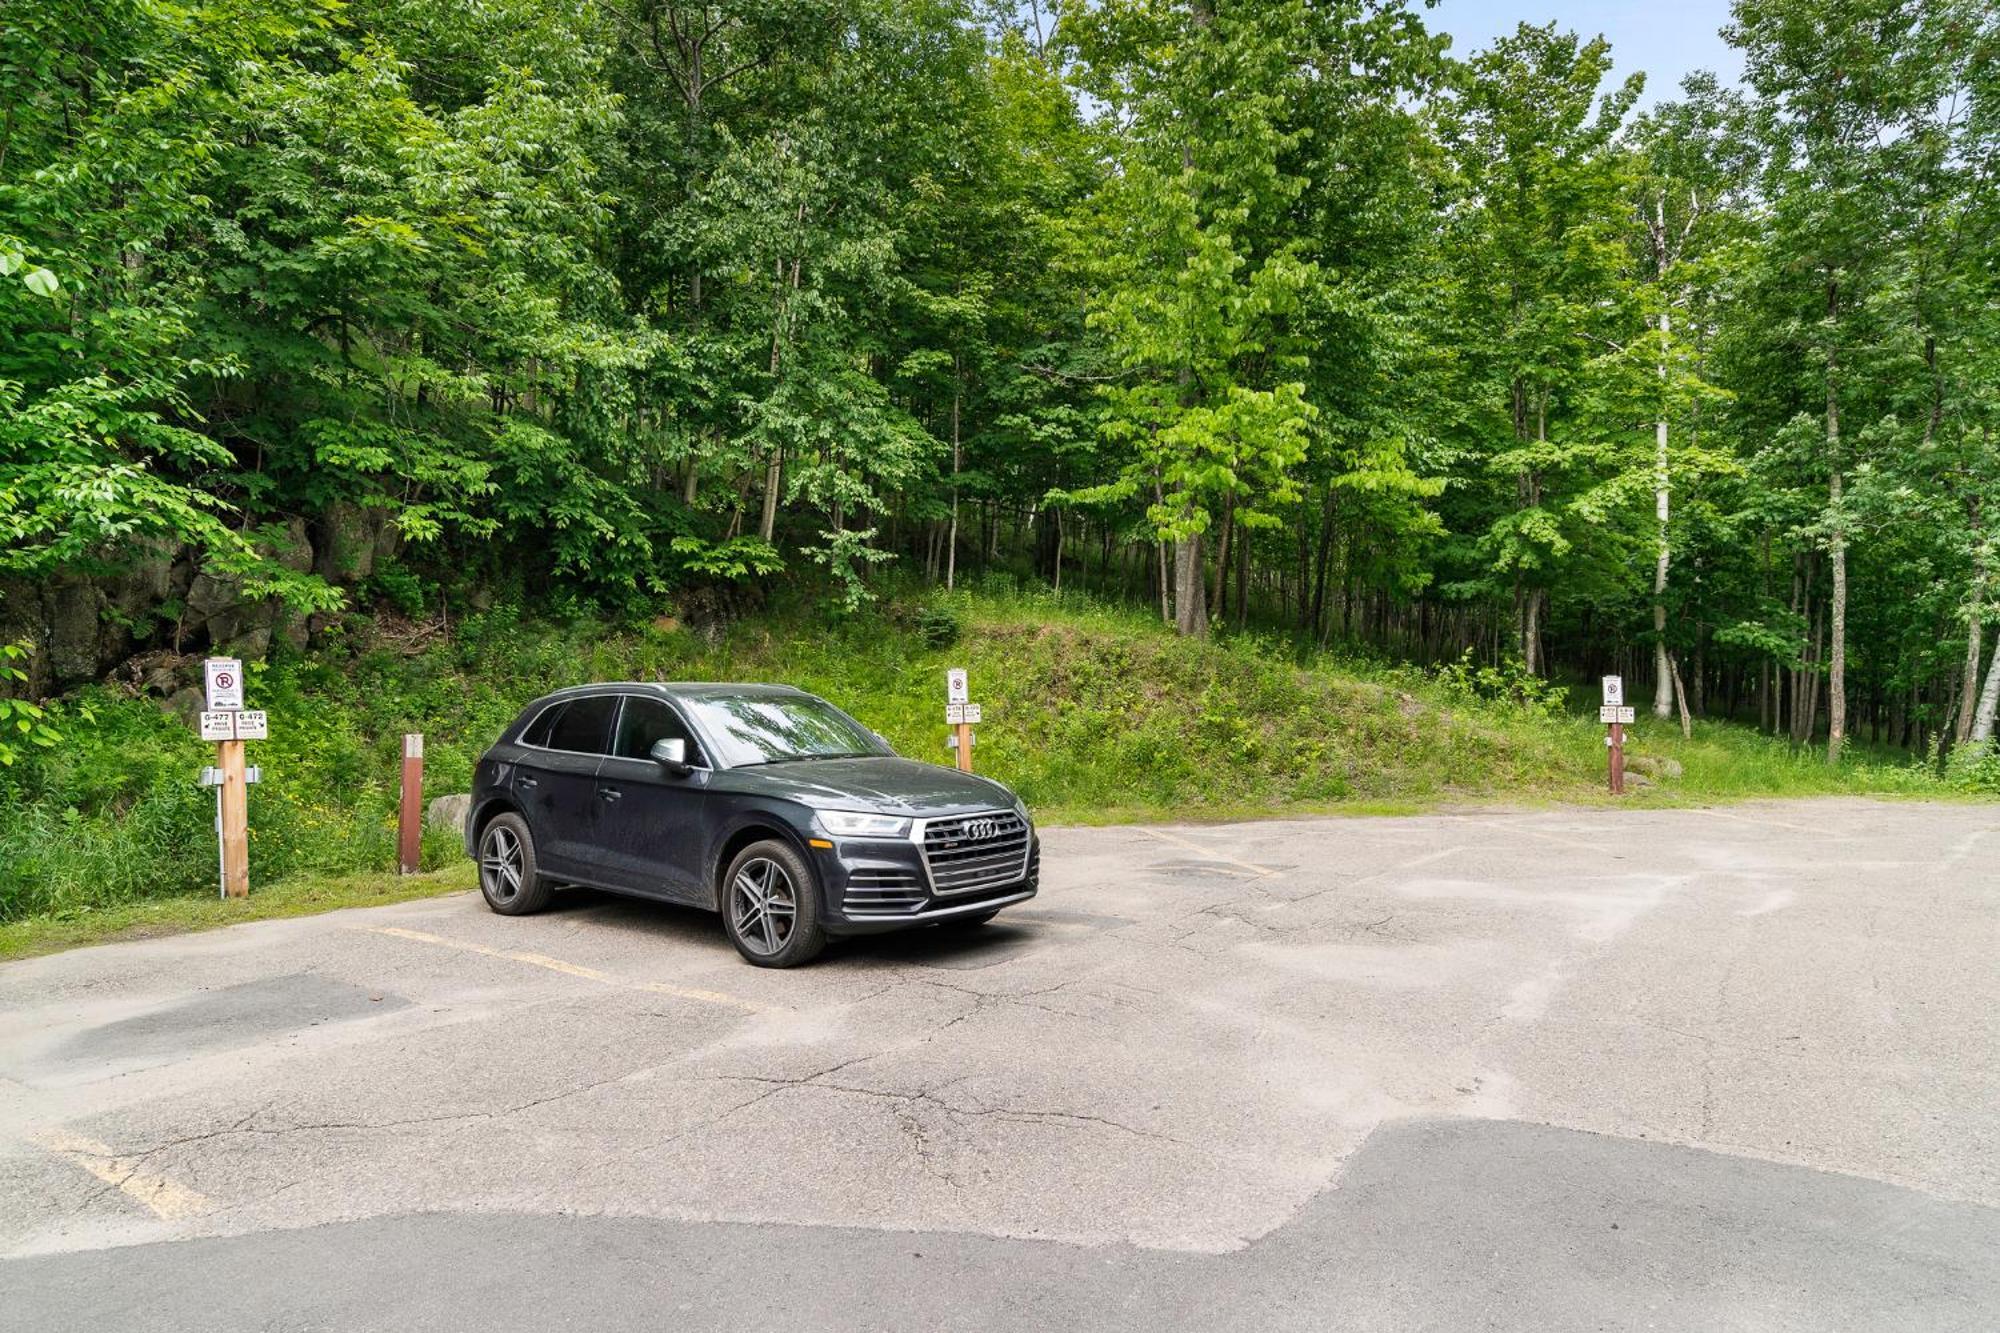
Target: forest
(1279,316)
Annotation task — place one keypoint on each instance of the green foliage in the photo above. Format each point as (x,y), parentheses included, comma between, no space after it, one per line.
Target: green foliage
(939,624)
(23,722)
(1393,346)
(1510,682)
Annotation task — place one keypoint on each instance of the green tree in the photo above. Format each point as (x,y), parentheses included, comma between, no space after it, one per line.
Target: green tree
(1212,409)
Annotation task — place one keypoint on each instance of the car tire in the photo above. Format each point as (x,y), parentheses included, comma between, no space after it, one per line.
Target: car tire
(508,878)
(770,906)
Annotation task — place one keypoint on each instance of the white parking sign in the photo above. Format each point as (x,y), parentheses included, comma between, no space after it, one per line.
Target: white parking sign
(955,691)
(224,676)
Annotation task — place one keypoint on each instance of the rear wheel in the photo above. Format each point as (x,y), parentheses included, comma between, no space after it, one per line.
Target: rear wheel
(508,879)
(770,906)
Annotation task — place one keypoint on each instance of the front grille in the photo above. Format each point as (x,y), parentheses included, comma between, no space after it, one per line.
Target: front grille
(880,891)
(979,851)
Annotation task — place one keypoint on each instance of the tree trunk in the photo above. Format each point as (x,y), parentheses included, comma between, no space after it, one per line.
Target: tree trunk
(1320,561)
(1974,630)
(1059,546)
(774,467)
(1242,583)
(1989,703)
(1190,596)
(951,541)
(1663,689)
(1680,694)
(1222,555)
(1531,631)
(1836,680)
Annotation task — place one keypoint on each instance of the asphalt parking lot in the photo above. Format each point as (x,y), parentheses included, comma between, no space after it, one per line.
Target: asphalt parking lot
(1569,1069)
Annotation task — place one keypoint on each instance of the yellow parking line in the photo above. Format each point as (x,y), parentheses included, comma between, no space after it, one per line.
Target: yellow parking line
(575,970)
(166,1199)
(1206,853)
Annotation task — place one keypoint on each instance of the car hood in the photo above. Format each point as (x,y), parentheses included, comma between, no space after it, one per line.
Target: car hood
(880,782)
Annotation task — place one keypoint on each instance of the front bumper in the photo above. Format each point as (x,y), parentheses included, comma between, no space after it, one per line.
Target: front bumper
(874,885)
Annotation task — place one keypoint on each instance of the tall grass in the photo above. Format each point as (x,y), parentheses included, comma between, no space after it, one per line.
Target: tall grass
(1093,713)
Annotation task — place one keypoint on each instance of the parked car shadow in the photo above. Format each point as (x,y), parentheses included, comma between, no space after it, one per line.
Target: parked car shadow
(650,916)
(961,950)
(953,948)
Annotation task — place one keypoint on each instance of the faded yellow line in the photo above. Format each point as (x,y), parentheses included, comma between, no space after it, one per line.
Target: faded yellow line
(166,1199)
(575,970)
(1207,854)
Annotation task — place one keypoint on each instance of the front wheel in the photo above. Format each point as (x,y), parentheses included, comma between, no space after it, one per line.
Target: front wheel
(508,879)
(770,906)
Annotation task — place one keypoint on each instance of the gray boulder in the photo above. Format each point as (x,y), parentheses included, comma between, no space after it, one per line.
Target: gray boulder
(448,811)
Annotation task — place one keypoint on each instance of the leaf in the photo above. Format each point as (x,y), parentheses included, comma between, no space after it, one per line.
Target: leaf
(42,282)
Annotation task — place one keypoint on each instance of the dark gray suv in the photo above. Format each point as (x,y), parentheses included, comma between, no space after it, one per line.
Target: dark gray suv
(762,802)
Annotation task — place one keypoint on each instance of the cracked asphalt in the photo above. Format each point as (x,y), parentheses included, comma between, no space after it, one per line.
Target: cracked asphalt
(1595,1069)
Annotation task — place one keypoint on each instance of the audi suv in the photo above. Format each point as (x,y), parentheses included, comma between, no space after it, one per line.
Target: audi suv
(761,802)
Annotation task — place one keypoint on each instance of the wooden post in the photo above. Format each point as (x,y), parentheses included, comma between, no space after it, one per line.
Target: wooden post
(1617,759)
(964,733)
(235,819)
(410,817)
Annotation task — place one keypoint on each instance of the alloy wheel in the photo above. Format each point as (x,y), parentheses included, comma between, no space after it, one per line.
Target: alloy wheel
(500,866)
(763,906)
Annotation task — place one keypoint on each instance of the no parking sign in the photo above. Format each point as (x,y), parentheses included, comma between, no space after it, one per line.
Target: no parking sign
(224,676)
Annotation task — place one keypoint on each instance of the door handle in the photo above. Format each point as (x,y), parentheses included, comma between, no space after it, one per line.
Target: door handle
(530,782)
(609,793)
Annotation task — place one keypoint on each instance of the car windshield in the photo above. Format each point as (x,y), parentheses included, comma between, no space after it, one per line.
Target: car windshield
(771,729)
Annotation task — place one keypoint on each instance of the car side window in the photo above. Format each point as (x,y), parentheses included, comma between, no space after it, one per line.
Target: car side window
(645,721)
(538,730)
(585,725)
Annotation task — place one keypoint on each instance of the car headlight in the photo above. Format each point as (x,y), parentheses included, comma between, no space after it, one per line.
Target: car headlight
(854,824)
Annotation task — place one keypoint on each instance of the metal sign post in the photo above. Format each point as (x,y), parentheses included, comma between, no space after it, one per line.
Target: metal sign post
(1615,714)
(229,724)
(960,714)
(410,816)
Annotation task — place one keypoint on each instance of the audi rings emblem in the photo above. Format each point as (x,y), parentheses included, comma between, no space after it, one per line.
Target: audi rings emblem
(979,830)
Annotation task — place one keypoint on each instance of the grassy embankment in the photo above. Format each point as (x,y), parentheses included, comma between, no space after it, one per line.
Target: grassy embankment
(1095,715)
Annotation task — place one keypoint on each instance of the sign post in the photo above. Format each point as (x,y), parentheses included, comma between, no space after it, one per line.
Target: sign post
(1615,714)
(223,724)
(410,816)
(960,713)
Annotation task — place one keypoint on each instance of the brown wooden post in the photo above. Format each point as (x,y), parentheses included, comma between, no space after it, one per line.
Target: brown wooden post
(410,818)
(1617,759)
(235,819)
(964,733)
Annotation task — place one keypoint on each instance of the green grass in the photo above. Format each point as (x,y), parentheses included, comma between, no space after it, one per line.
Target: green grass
(1095,714)
(299,895)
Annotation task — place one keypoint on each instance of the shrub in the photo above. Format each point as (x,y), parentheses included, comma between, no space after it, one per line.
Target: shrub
(1511,682)
(939,625)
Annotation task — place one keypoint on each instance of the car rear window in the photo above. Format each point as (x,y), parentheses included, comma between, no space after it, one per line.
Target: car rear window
(545,721)
(585,725)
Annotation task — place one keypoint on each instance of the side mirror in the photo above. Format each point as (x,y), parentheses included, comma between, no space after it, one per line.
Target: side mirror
(671,754)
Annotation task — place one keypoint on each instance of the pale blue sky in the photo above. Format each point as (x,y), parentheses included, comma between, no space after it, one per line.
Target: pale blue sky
(1666,38)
